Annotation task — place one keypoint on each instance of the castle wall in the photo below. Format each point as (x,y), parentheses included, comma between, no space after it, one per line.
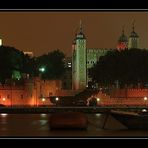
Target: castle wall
(32,93)
(129,93)
(123,97)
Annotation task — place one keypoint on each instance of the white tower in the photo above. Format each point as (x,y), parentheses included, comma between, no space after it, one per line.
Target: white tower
(79,60)
(133,39)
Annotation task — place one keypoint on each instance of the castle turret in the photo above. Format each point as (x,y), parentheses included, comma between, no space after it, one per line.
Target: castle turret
(133,38)
(122,41)
(79,60)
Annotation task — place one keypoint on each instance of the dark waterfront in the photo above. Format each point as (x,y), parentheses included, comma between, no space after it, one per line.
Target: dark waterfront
(37,125)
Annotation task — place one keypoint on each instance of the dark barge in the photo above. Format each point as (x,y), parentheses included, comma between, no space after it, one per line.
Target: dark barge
(132,120)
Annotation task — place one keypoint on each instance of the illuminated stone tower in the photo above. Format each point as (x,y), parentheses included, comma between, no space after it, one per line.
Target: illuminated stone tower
(79,60)
(122,41)
(133,38)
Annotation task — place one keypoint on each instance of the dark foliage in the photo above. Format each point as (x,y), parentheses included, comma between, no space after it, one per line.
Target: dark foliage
(53,63)
(10,59)
(128,67)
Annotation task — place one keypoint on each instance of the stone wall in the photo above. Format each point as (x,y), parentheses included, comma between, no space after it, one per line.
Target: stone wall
(128,93)
(34,92)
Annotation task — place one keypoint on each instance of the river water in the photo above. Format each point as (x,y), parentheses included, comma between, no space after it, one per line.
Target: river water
(37,125)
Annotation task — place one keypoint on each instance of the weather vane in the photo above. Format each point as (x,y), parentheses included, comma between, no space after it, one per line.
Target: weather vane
(133,23)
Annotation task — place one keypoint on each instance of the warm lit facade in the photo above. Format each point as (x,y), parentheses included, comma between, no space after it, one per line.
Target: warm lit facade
(33,92)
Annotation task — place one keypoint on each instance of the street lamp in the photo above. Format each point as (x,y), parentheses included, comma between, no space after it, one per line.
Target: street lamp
(145,99)
(43,99)
(56,99)
(41,70)
(98,100)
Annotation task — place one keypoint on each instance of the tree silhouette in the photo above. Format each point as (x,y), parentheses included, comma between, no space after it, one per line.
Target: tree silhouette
(127,67)
(53,62)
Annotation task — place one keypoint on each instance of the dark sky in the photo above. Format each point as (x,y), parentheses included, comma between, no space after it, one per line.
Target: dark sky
(42,32)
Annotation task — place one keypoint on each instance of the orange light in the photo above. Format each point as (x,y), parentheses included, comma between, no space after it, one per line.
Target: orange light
(145,98)
(4,99)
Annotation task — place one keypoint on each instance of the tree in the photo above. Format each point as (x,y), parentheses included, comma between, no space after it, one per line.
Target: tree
(127,66)
(29,65)
(10,60)
(53,62)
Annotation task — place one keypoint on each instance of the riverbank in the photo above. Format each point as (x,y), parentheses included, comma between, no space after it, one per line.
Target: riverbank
(99,109)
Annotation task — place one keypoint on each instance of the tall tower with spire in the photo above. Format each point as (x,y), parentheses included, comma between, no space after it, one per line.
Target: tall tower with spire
(79,60)
(122,41)
(133,38)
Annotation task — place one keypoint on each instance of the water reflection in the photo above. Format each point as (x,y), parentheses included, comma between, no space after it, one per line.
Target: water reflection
(38,125)
(3,115)
(98,115)
(43,115)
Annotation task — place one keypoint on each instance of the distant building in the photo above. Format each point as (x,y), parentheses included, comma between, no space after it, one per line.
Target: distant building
(29,53)
(93,55)
(67,77)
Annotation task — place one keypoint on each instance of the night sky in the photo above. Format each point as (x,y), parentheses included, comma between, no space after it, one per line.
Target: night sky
(42,32)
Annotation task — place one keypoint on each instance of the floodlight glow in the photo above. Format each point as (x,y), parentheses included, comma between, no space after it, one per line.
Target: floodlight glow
(42,69)
(43,99)
(145,98)
(98,99)
(57,99)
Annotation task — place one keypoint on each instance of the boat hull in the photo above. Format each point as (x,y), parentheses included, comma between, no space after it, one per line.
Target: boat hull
(132,121)
(68,120)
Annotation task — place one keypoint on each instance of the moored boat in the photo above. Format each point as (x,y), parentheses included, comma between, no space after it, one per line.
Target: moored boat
(68,120)
(131,120)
